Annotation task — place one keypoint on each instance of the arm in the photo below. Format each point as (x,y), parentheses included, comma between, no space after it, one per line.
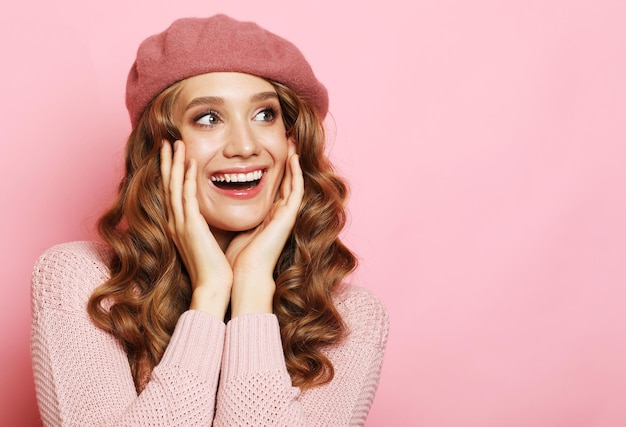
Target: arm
(357,361)
(255,386)
(82,375)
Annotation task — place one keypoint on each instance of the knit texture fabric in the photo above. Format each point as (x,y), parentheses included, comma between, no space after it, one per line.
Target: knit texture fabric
(211,374)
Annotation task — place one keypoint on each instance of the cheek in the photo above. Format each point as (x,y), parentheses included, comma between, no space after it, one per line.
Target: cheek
(199,150)
(279,149)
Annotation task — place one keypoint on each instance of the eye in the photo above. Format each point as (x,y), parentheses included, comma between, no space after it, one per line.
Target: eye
(207,118)
(266,115)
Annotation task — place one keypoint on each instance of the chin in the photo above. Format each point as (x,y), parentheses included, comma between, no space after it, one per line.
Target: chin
(239,227)
(235,223)
(236,216)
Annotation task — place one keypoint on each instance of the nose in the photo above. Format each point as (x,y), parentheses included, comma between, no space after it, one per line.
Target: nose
(241,142)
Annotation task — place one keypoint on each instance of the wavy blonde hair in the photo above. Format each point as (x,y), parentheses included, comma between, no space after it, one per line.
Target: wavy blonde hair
(149,287)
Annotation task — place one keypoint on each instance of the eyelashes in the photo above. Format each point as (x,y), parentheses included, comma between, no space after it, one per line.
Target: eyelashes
(267,114)
(207,118)
(210,118)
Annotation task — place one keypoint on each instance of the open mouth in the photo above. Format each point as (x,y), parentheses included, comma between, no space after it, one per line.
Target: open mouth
(238,181)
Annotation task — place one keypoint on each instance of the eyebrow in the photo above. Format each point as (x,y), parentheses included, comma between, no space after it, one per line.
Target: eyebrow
(216,100)
(263,96)
(204,100)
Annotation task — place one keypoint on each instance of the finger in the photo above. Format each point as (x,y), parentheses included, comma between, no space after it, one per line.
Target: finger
(176,184)
(284,216)
(190,200)
(166,166)
(286,182)
(296,192)
(285,186)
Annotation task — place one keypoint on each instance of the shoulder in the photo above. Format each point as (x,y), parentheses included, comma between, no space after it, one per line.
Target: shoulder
(65,275)
(364,314)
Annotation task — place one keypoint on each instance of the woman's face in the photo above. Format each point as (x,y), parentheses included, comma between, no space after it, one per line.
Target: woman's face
(231,124)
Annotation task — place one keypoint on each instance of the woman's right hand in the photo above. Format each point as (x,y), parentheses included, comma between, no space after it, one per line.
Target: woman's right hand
(209,271)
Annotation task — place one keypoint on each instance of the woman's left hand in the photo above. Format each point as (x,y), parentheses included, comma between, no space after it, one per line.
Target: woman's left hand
(253,254)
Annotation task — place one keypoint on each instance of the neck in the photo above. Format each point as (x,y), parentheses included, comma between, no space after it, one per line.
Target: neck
(223,237)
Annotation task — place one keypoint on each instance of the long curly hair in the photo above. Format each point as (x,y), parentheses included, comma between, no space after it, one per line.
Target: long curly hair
(149,287)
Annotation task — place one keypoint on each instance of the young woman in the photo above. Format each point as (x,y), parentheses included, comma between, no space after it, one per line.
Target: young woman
(218,294)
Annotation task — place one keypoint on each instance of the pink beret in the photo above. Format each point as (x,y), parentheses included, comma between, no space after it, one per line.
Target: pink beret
(193,46)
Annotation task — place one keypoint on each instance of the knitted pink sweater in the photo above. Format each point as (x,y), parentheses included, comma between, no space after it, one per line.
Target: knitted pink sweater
(211,373)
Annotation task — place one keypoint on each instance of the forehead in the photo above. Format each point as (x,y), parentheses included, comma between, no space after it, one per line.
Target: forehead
(225,85)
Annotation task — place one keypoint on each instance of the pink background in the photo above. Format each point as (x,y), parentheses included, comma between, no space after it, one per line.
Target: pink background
(485,144)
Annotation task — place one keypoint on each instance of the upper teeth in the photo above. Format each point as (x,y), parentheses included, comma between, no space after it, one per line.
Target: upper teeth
(238,177)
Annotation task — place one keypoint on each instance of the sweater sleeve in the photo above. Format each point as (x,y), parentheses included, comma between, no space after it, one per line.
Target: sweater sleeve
(255,387)
(82,375)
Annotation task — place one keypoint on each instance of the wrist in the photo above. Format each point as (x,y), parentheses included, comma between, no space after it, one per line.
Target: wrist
(212,301)
(252,296)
